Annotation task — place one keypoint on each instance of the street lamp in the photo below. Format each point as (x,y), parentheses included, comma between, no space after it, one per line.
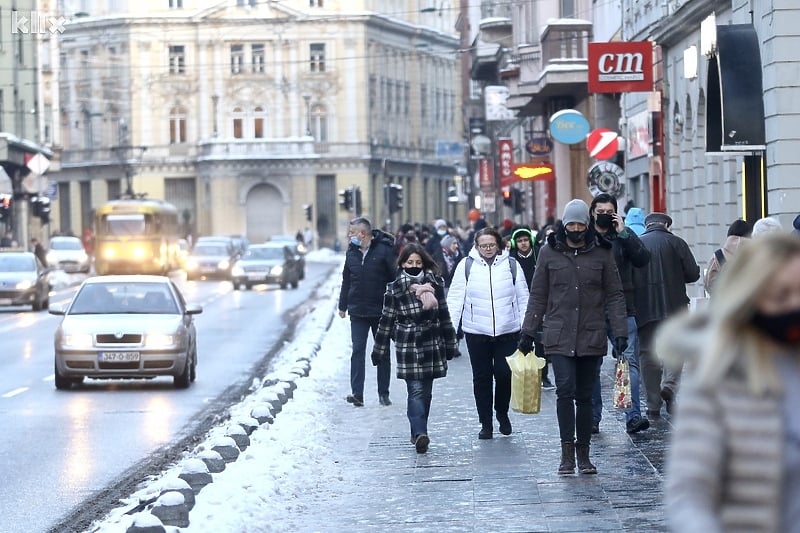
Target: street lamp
(307,98)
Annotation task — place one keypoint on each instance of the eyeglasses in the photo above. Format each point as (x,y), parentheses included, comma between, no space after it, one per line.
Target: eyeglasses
(487,246)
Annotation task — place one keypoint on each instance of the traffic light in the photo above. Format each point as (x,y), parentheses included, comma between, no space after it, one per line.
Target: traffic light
(346,199)
(309,209)
(395,194)
(36,207)
(508,197)
(44,209)
(357,201)
(519,201)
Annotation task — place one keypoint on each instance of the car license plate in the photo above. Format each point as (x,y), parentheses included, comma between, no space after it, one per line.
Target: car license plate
(207,270)
(255,276)
(6,301)
(118,357)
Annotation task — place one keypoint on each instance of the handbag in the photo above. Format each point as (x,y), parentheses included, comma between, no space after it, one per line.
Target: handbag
(526,382)
(622,384)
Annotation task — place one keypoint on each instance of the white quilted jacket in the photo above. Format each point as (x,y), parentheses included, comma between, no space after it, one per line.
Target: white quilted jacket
(490,303)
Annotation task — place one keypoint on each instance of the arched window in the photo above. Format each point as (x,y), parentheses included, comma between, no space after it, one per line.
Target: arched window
(238,123)
(259,121)
(177,125)
(319,123)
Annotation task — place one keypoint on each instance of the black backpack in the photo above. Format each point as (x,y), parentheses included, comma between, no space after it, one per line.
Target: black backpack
(720,256)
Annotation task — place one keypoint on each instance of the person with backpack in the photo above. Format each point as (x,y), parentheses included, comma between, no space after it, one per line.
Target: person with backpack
(738,231)
(488,296)
(576,285)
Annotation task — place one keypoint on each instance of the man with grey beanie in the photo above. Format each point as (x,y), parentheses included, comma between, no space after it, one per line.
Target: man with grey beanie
(575,284)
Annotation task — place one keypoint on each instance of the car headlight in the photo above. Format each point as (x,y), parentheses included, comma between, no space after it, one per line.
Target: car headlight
(139,252)
(222,265)
(158,340)
(191,264)
(51,258)
(109,253)
(24,285)
(277,270)
(78,340)
(237,270)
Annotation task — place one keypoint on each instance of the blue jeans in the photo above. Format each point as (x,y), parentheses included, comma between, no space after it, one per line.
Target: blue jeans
(419,405)
(632,356)
(359,330)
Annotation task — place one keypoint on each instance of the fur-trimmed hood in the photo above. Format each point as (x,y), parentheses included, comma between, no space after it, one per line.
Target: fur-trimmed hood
(683,338)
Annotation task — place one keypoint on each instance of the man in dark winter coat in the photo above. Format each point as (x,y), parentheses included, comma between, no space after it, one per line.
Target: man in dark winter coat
(370,264)
(576,288)
(660,289)
(629,254)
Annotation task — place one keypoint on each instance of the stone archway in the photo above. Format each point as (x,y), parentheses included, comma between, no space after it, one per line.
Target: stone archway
(265,213)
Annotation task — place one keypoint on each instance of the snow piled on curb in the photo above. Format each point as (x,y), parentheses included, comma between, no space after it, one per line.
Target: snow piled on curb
(275,462)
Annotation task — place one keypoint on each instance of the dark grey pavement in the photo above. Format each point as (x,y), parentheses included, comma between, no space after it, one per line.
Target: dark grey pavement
(465,484)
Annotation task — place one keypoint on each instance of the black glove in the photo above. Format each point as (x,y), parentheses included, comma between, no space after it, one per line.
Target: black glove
(525,344)
(620,345)
(376,359)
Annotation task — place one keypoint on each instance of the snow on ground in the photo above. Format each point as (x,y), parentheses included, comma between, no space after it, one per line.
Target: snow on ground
(284,458)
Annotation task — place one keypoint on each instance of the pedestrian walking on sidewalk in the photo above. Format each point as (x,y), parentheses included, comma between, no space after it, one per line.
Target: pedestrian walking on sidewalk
(525,249)
(415,315)
(629,254)
(576,284)
(738,233)
(734,460)
(370,263)
(488,296)
(660,291)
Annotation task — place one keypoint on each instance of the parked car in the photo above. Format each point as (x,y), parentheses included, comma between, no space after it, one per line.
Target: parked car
(24,280)
(68,254)
(126,326)
(267,263)
(298,249)
(210,259)
(234,246)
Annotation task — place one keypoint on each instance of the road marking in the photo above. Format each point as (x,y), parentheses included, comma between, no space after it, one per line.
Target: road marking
(14,392)
(51,377)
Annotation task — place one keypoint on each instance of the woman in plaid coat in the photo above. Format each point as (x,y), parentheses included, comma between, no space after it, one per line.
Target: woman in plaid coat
(415,317)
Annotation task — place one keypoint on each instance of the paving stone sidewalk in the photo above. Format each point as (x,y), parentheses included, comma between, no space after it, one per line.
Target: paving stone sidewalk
(465,484)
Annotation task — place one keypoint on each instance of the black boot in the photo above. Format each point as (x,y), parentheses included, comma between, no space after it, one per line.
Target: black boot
(567,465)
(486,431)
(584,465)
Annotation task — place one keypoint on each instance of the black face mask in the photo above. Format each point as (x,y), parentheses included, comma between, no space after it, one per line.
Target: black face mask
(576,237)
(413,271)
(604,220)
(783,328)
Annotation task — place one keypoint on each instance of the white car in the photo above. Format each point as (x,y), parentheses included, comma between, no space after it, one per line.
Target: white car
(67,254)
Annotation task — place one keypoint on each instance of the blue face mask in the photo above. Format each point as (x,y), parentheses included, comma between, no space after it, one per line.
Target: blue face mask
(354,240)
(441,232)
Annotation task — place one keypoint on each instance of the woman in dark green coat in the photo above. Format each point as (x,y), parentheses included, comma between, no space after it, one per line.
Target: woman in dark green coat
(416,318)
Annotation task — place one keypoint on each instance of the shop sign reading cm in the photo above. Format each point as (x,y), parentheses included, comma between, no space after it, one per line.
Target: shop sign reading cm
(621,67)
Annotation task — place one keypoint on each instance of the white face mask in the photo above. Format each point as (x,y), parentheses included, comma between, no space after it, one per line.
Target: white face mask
(441,232)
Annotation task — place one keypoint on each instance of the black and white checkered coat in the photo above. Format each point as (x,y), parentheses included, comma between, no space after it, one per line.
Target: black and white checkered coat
(424,339)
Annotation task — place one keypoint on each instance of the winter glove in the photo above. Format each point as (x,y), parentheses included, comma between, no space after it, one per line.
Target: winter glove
(525,344)
(376,359)
(620,345)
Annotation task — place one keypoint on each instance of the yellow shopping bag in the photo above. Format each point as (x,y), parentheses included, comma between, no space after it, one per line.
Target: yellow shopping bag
(526,382)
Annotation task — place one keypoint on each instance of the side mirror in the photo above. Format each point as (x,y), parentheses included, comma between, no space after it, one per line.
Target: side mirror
(57,309)
(194,309)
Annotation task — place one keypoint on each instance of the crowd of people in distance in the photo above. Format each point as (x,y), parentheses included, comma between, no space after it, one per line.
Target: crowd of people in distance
(596,282)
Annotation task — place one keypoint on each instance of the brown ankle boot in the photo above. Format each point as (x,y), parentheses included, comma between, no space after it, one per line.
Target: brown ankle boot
(584,465)
(567,465)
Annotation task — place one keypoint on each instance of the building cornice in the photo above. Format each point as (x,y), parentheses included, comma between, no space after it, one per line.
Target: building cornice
(669,31)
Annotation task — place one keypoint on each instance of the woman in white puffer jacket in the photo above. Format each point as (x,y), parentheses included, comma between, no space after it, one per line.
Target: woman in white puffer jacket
(489,299)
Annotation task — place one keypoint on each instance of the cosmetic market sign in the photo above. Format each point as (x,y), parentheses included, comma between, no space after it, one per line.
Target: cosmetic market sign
(621,67)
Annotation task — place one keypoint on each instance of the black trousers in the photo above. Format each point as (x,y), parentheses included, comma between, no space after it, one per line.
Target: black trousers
(575,377)
(487,355)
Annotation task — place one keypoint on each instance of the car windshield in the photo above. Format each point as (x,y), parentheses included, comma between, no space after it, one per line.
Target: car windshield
(264,253)
(16,263)
(66,245)
(115,298)
(210,250)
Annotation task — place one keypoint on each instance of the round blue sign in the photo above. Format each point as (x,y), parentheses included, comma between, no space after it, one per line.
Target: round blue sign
(568,126)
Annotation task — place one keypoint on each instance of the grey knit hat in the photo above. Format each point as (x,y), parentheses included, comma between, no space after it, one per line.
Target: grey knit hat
(576,211)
